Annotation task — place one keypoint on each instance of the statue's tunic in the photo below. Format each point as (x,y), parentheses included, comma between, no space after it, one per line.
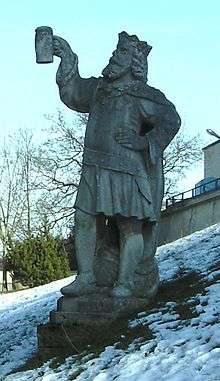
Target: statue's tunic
(116,180)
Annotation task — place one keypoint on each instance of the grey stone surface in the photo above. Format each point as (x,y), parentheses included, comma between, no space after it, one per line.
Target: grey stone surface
(64,340)
(72,338)
(95,309)
(88,320)
(189,216)
(212,160)
(44,44)
(121,189)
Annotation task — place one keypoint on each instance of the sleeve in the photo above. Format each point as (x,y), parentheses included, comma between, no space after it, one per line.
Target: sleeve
(75,92)
(162,123)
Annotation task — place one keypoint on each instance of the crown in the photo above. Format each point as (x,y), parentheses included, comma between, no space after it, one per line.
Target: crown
(134,40)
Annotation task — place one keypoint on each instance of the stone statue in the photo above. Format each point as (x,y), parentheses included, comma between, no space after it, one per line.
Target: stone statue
(121,188)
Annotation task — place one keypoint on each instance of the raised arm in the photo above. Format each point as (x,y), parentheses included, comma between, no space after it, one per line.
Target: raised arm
(75,92)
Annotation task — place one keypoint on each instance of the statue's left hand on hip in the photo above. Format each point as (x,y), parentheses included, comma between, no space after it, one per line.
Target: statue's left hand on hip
(130,139)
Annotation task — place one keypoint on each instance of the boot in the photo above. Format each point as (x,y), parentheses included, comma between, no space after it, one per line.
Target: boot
(83,284)
(131,252)
(125,285)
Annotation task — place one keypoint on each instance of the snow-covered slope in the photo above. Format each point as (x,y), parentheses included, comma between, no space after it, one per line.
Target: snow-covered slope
(180,333)
(20,313)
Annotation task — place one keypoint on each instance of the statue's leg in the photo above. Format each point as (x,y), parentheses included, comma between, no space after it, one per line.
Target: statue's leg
(131,251)
(147,276)
(85,242)
(150,235)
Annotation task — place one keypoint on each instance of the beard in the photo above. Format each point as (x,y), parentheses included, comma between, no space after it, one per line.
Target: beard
(114,71)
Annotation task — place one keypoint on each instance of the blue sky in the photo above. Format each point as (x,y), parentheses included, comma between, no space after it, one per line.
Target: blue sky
(184,62)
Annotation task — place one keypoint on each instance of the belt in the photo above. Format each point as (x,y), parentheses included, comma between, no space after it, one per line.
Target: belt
(115,162)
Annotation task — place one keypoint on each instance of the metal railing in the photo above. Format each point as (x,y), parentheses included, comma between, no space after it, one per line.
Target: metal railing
(199,190)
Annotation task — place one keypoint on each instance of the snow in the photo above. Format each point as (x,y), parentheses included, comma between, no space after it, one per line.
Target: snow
(20,313)
(184,323)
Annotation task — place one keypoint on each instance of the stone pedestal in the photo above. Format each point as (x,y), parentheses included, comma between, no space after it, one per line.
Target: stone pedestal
(81,321)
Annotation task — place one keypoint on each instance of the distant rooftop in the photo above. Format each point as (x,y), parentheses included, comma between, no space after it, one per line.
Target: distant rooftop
(212,144)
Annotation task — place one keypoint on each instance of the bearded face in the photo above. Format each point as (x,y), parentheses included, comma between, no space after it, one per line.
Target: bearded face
(120,62)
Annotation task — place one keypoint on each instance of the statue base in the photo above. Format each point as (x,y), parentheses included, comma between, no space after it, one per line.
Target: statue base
(85,320)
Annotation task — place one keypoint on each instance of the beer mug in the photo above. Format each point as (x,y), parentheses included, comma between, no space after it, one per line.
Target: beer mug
(44,44)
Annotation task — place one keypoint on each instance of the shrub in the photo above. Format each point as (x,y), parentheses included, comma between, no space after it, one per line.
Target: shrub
(38,260)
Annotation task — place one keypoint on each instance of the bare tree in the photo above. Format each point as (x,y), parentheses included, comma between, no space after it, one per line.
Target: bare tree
(29,162)
(11,196)
(60,167)
(19,188)
(180,155)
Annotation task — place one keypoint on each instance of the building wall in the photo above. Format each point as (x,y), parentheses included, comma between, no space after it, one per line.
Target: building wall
(212,160)
(191,215)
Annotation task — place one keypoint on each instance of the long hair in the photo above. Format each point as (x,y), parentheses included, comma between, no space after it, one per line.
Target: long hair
(139,65)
